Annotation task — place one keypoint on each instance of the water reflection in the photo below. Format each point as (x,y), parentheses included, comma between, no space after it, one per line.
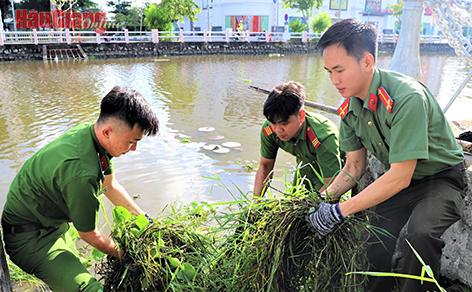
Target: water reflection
(39,101)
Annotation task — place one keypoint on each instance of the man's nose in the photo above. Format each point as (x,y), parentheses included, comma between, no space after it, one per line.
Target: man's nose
(134,146)
(278,128)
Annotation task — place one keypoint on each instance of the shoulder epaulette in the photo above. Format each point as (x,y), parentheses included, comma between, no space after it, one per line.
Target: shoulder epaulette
(312,137)
(268,130)
(385,98)
(343,109)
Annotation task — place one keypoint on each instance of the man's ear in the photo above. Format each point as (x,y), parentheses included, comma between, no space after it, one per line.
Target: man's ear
(302,114)
(106,131)
(368,61)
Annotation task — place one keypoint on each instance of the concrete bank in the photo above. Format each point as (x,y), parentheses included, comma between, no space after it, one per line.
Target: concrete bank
(123,50)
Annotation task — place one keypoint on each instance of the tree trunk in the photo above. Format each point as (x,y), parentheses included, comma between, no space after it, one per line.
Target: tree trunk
(406,58)
(5,284)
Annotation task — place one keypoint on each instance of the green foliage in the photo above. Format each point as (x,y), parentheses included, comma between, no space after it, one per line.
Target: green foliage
(397,9)
(158,17)
(178,9)
(120,7)
(296,26)
(321,22)
(305,7)
(251,244)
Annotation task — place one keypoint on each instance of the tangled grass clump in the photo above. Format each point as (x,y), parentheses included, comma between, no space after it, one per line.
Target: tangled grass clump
(252,244)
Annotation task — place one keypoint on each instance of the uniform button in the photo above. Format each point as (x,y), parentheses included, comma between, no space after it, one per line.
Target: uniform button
(380,144)
(369,123)
(295,144)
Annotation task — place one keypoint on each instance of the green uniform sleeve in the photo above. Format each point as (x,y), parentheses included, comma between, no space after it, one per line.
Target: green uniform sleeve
(329,156)
(81,198)
(409,130)
(348,139)
(268,146)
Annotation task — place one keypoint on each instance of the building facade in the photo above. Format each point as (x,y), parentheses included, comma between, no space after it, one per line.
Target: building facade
(268,15)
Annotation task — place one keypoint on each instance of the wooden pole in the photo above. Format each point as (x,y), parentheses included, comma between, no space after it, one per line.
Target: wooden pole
(315,105)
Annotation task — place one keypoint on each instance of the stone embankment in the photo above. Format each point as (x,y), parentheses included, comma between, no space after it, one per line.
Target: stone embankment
(123,50)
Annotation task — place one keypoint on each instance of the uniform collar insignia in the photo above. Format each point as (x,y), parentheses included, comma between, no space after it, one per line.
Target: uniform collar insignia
(103,163)
(385,98)
(344,108)
(372,102)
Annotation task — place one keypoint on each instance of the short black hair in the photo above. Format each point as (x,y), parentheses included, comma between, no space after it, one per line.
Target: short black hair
(283,101)
(354,36)
(128,105)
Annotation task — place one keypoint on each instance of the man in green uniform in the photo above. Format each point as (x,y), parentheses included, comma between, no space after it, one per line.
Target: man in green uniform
(312,138)
(398,120)
(61,183)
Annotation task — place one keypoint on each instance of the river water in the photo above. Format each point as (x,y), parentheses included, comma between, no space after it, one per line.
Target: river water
(39,101)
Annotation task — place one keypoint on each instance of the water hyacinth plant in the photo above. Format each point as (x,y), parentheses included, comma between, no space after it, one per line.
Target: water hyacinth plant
(249,244)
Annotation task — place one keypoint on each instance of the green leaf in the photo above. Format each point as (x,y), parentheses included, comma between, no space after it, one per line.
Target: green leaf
(141,222)
(135,232)
(188,270)
(120,214)
(97,255)
(174,262)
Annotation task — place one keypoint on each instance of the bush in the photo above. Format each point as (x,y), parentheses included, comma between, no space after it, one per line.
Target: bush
(321,22)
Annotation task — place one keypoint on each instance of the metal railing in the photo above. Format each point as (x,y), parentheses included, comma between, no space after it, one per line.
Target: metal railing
(155,36)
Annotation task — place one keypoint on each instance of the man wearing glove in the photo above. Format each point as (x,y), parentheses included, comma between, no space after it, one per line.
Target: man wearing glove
(62,182)
(398,120)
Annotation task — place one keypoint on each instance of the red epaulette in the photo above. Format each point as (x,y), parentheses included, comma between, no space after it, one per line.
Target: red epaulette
(268,130)
(312,137)
(343,109)
(385,98)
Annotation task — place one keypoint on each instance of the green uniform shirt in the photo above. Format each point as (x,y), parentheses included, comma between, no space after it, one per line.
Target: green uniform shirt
(60,183)
(326,155)
(414,129)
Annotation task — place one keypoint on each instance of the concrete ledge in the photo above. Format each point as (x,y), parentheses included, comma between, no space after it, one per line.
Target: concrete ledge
(122,50)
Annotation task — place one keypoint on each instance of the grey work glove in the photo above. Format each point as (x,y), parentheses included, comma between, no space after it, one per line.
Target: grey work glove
(324,220)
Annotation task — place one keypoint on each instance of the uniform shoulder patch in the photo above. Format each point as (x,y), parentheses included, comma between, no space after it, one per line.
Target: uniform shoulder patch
(344,108)
(268,130)
(312,137)
(385,98)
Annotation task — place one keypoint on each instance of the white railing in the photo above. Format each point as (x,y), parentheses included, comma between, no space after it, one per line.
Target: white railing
(155,36)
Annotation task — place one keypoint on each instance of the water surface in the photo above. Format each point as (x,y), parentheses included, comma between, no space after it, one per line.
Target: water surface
(39,101)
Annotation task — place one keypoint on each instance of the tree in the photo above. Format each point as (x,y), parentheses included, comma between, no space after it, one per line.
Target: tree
(158,17)
(305,7)
(178,9)
(397,10)
(134,17)
(406,58)
(121,11)
(297,26)
(321,22)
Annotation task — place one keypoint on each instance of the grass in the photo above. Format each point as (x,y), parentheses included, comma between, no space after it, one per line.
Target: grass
(249,244)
